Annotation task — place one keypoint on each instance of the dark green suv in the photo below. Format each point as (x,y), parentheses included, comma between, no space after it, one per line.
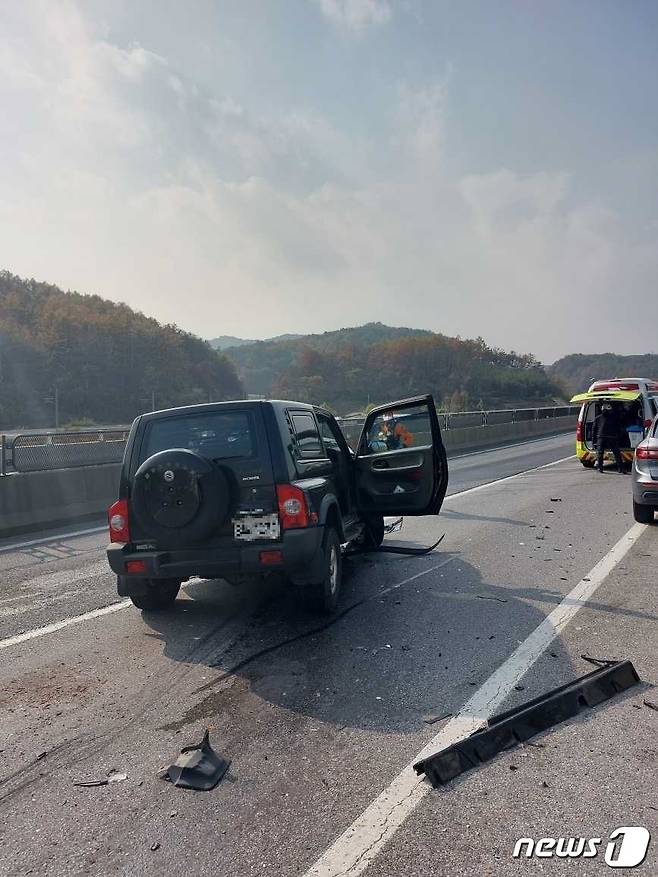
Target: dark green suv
(240,489)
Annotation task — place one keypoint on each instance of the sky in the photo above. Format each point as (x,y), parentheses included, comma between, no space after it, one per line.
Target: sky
(256,167)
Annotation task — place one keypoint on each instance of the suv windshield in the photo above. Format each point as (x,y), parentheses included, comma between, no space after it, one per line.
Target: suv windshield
(213,434)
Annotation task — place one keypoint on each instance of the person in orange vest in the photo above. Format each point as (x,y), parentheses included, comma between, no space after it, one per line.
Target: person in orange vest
(395,434)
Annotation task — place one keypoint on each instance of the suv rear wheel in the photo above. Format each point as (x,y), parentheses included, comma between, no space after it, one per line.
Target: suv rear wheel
(160,595)
(643,514)
(326,593)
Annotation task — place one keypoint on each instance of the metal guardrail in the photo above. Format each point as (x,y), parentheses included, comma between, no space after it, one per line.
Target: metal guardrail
(352,426)
(40,451)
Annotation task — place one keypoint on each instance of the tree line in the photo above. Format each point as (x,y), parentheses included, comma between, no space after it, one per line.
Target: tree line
(351,368)
(103,362)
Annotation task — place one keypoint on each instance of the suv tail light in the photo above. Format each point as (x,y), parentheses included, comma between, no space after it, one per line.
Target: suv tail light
(646,453)
(293,507)
(579,431)
(117,518)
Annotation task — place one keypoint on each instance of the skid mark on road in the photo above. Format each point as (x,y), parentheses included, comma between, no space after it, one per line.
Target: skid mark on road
(355,849)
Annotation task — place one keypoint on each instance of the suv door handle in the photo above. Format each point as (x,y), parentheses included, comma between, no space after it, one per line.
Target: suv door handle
(380,464)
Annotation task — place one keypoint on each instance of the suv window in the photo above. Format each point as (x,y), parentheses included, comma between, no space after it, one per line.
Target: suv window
(308,437)
(218,435)
(392,431)
(327,431)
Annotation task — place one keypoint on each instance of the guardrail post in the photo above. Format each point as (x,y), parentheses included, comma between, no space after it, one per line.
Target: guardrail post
(3,451)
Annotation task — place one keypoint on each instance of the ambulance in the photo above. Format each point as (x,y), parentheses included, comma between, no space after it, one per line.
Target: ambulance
(637,399)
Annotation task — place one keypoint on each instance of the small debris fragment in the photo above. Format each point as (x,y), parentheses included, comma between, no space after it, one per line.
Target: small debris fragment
(556,499)
(155,846)
(519,688)
(487,597)
(545,784)
(432,720)
(513,767)
(553,654)
(115,776)
(651,705)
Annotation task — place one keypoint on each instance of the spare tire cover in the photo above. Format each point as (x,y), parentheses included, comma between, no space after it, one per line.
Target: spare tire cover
(179,496)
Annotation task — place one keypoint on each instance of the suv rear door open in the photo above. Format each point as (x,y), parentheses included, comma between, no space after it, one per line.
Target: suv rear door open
(401,465)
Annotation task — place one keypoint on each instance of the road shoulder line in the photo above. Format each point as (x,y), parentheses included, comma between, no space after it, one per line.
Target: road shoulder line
(354,850)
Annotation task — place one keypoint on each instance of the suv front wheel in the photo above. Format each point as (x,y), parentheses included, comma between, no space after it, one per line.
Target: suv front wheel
(160,595)
(326,593)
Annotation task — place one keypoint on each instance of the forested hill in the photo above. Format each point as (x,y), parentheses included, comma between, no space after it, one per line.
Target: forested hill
(106,361)
(349,368)
(577,371)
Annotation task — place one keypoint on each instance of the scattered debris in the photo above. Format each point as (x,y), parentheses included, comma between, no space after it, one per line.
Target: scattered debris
(520,724)
(545,784)
(519,688)
(155,846)
(394,526)
(197,767)
(556,499)
(513,767)
(651,705)
(432,720)
(487,597)
(113,776)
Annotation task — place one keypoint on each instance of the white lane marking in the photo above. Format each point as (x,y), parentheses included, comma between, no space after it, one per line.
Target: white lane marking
(52,580)
(491,450)
(19,597)
(355,849)
(47,600)
(508,478)
(16,546)
(59,625)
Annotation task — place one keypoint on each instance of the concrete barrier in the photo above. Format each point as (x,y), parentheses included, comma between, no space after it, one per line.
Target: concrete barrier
(477,437)
(37,500)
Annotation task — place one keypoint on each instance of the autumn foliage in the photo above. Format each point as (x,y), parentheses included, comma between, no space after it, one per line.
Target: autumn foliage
(107,362)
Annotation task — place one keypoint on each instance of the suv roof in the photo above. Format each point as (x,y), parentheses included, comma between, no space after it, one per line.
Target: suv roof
(233,403)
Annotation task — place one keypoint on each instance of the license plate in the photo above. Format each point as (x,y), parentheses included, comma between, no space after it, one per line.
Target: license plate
(250,528)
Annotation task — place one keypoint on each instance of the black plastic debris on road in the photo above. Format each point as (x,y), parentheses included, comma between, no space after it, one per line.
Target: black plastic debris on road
(197,767)
(517,725)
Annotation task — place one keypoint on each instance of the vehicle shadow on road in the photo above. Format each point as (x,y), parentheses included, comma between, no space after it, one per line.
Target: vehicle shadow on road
(414,641)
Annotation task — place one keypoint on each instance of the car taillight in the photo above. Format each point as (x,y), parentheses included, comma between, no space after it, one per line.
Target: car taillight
(646,453)
(293,508)
(579,431)
(117,517)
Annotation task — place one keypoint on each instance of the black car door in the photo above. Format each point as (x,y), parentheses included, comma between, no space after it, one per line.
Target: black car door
(401,466)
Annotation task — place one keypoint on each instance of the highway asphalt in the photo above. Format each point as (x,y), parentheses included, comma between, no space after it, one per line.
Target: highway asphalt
(321,728)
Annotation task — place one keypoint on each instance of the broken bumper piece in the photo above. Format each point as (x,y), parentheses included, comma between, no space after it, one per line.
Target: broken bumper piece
(507,729)
(197,767)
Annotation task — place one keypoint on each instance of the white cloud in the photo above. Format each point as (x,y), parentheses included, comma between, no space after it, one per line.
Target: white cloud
(122,177)
(356,15)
